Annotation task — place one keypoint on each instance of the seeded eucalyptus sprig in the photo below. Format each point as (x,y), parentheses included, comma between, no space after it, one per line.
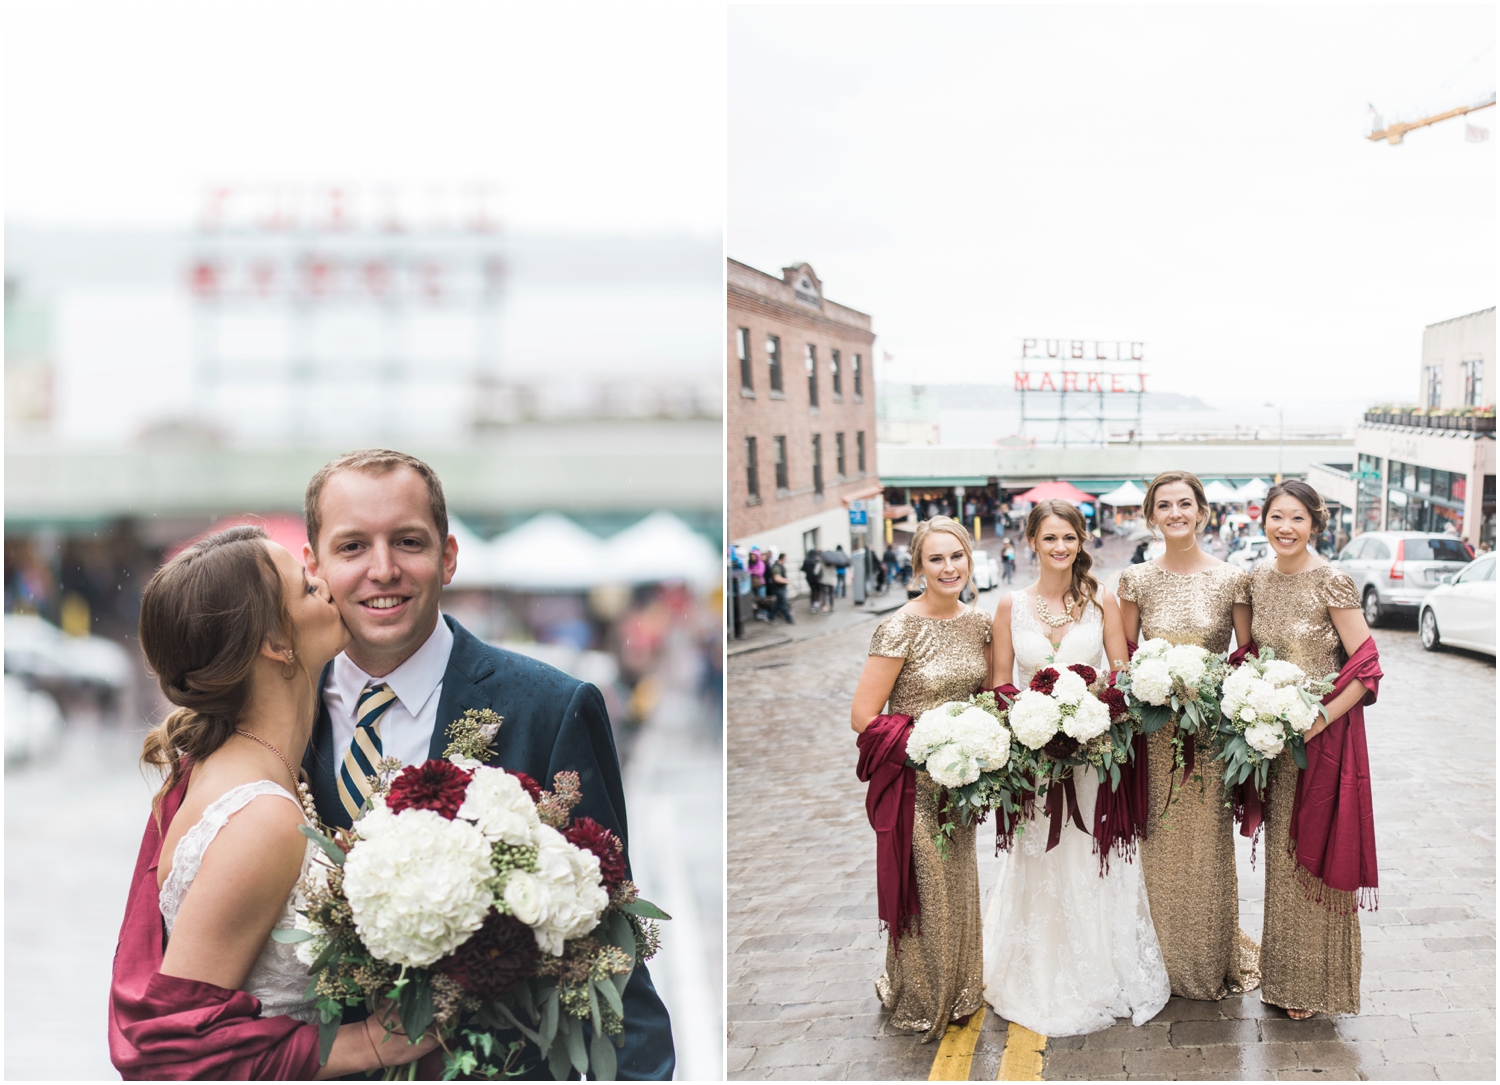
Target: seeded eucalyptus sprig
(471,736)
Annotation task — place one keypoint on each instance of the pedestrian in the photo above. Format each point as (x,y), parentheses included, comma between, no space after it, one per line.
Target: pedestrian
(841,571)
(892,564)
(757,569)
(810,564)
(831,576)
(1140,552)
(1007,560)
(776,587)
(1031,556)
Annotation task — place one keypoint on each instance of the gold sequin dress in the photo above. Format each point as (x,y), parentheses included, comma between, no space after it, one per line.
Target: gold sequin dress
(1188,854)
(1310,956)
(939,974)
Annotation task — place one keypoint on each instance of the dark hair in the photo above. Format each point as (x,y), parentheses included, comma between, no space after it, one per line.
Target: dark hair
(204,616)
(374,461)
(1085,588)
(1305,496)
(1166,478)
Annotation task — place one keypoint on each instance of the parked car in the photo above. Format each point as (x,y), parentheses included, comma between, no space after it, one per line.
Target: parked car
(986,570)
(1460,611)
(1248,552)
(1394,571)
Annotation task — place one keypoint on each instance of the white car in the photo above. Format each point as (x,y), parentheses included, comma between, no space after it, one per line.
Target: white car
(986,570)
(1460,611)
(1246,553)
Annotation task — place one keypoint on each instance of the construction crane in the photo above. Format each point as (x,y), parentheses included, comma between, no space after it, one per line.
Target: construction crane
(1393,133)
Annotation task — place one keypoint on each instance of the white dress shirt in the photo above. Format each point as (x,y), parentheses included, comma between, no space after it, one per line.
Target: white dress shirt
(406,727)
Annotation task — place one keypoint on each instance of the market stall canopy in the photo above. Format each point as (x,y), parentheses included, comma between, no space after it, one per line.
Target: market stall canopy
(1127,496)
(476,558)
(1220,493)
(1057,491)
(662,547)
(549,553)
(1254,490)
(287,530)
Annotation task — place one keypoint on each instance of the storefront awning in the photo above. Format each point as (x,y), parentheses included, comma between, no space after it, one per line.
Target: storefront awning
(920,483)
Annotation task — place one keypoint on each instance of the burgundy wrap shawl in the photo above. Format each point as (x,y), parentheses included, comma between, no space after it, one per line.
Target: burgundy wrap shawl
(166,1027)
(891,804)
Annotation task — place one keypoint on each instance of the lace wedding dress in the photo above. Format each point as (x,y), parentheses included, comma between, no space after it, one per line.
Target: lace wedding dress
(278,978)
(1067,951)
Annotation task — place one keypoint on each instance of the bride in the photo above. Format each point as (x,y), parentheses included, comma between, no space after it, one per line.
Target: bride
(1066,948)
(236,632)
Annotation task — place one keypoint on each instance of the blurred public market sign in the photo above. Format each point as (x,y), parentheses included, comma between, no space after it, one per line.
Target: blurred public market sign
(1075,366)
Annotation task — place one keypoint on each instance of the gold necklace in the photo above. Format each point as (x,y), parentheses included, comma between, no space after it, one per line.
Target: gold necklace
(308,807)
(1045,613)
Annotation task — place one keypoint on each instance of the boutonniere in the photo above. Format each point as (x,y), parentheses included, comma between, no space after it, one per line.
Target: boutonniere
(470,736)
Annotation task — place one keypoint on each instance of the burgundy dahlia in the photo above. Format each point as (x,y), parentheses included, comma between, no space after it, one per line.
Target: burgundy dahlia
(1060,746)
(1043,680)
(496,957)
(1114,699)
(528,785)
(1088,674)
(434,785)
(588,834)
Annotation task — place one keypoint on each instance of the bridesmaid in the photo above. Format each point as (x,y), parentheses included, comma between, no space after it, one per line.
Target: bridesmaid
(1190,597)
(934,649)
(1308,613)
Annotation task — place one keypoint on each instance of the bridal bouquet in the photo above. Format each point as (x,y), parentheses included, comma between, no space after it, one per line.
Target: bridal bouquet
(1268,705)
(967,750)
(1073,718)
(472,899)
(1180,683)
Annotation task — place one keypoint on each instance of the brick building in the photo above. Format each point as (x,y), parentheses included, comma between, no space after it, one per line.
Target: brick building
(801,417)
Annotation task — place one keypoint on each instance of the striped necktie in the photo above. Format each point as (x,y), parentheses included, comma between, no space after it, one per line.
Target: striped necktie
(365,751)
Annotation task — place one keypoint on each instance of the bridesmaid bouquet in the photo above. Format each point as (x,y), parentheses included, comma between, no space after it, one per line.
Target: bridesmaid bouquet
(967,750)
(1174,683)
(1073,718)
(1268,705)
(473,900)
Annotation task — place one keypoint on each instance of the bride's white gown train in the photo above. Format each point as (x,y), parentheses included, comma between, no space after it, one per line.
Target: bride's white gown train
(1066,951)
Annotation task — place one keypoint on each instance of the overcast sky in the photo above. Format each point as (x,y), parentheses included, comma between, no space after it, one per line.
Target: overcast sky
(601,118)
(1194,177)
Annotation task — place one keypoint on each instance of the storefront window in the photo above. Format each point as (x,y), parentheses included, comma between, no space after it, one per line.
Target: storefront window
(1424,480)
(1440,483)
(1367,498)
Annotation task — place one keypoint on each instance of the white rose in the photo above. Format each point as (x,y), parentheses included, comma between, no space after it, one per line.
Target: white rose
(1151,682)
(1069,688)
(1034,718)
(1089,720)
(1266,738)
(1152,647)
(1247,714)
(500,807)
(463,762)
(523,896)
(1186,662)
(1281,672)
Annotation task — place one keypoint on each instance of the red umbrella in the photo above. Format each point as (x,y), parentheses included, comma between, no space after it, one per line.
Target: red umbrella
(1056,491)
(289,531)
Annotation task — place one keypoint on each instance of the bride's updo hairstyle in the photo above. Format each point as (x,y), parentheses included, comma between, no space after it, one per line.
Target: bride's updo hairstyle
(1084,588)
(204,616)
(1148,510)
(1305,496)
(947,525)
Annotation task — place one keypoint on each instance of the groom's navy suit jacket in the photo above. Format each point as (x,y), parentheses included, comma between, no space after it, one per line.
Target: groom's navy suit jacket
(553,723)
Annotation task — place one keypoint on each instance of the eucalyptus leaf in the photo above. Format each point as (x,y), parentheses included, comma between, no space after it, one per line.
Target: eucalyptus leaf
(1299,755)
(612,996)
(557,1061)
(334,851)
(573,1037)
(549,1017)
(594,1018)
(415,1004)
(522,992)
(515,1022)
(1114,777)
(328,1031)
(290,935)
(601,1058)
(643,907)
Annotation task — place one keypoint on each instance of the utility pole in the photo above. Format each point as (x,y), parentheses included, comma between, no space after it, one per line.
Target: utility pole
(1395,132)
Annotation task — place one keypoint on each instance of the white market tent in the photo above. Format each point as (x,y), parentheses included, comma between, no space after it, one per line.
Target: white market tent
(475,557)
(1127,496)
(549,553)
(662,547)
(1254,490)
(1219,493)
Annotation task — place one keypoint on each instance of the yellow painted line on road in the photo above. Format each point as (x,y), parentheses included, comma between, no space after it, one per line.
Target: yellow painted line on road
(955,1052)
(1022,1058)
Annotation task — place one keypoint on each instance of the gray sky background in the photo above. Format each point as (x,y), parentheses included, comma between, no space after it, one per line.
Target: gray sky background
(591,119)
(1194,177)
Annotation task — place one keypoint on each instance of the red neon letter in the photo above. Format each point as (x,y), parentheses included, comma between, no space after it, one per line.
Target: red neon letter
(1143,380)
(1023,381)
(1047,385)
(1114,383)
(1070,381)
(1094,385)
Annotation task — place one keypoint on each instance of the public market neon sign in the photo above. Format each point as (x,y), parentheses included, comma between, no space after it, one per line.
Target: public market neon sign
(1081,379)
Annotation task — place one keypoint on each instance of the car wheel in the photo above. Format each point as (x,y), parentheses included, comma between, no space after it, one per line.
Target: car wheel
(1429,630)
(1372,608)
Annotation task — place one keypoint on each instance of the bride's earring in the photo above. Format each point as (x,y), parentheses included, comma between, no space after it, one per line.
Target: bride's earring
(289,669)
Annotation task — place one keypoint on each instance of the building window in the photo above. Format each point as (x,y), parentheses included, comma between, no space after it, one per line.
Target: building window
(859,447)
(773,361)
(747,377)
(838,377)
(812,375)
(817,463)
(1474,382)
(859,378)
(1435,385)
(752,468)
(781,484)
(838,451)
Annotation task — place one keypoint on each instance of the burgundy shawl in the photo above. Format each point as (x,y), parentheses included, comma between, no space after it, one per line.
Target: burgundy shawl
(1333,822)
(165,1027)
(891,803)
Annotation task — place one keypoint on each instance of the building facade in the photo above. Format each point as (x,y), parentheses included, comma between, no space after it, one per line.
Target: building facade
(801,417)
(1431,467)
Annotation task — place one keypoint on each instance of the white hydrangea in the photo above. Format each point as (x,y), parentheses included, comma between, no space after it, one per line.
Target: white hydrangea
(500,807)
(1187,662)
(1298,714)
(1034,718)
(1266,738)
(1089,720)
(571,892)
(1236,690)
(1152,647)
(1151,681)
(951,766)
(1281,672)
(418,886)
(1262,697)
(1069,688)
(955,742)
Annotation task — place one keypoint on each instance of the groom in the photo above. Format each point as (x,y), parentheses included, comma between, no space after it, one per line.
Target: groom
(377,530)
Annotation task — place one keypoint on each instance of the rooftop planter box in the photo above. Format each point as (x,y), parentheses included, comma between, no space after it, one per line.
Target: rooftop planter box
(1473,423)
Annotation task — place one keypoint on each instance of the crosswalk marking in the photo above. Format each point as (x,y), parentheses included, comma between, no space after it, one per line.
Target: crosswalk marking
(955,1052)
(1022,1059)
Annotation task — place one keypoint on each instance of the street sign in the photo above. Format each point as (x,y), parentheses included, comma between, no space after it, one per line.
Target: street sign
(1252,511)
(858,517)
(1366,476)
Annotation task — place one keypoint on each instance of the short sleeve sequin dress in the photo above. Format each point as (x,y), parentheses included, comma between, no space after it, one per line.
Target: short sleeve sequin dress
(1310,953)
(1188,854)
(938,975)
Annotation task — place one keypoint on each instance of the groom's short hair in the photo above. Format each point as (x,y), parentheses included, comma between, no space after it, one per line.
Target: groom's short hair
(374,461)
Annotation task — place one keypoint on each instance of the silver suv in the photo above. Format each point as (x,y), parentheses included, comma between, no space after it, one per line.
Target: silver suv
(1394,570)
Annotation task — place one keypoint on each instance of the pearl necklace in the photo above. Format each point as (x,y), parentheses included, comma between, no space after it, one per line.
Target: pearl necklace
(1045,613)
(308,807)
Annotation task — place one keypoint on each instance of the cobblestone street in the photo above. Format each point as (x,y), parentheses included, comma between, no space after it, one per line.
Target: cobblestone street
(804,949)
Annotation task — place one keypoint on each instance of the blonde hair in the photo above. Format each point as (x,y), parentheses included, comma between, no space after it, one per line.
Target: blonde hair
(1084,588)
(950,526)
(1166,478)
